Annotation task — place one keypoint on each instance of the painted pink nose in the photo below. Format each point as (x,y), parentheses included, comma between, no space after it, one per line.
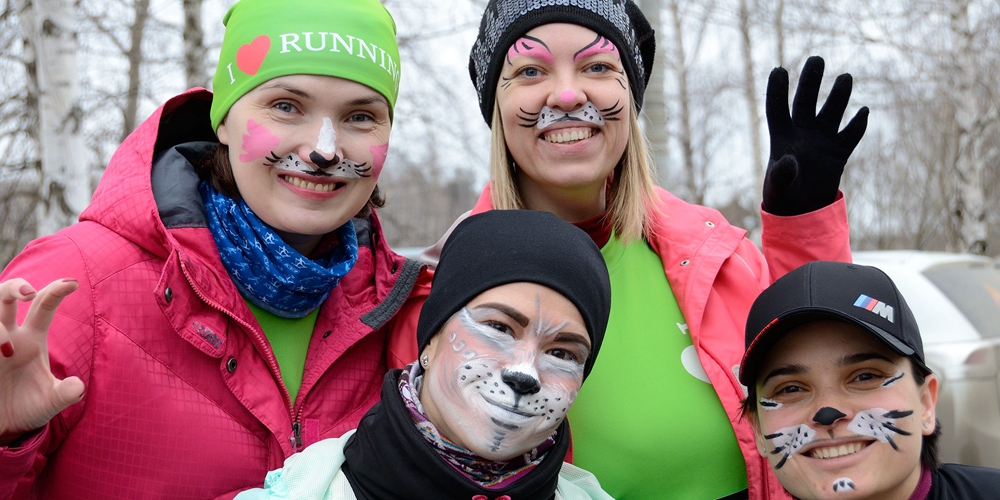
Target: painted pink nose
(568,96)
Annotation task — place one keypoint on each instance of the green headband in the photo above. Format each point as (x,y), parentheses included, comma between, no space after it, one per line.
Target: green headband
(350,39)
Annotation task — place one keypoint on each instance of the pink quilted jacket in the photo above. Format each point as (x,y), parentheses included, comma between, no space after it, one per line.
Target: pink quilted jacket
(183,394)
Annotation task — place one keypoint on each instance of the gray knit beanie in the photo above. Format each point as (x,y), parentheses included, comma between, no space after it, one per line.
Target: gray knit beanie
(504,21)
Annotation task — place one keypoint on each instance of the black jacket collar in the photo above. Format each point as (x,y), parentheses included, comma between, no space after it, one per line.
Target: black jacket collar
(388,458)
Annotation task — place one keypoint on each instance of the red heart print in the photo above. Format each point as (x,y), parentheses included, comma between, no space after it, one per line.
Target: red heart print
(479,497)
(503,497)
(250,56)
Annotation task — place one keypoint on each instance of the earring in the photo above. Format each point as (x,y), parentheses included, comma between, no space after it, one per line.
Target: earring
(424,360)
(927,425)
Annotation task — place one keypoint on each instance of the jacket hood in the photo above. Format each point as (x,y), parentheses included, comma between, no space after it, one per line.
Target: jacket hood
(124,200)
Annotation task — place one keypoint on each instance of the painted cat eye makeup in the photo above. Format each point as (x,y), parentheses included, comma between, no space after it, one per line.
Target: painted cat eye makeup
(505,370)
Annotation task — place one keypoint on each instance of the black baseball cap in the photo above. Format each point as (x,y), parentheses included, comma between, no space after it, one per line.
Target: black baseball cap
(861,295)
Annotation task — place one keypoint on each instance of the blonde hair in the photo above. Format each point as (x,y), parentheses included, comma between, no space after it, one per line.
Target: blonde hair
(630,199)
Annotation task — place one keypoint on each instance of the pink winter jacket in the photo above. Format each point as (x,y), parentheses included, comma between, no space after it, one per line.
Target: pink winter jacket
(183,393)
(715,272)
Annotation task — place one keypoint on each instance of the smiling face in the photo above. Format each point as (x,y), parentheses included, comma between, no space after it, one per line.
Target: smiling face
(306,152)
(840,415)
(564,104)
(504,370)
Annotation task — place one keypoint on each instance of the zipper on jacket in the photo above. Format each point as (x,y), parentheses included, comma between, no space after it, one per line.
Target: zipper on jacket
(296,437)
(272,362)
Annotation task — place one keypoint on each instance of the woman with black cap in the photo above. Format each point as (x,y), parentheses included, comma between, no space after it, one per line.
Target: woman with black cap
(560,83)
(840,396)
(509,332)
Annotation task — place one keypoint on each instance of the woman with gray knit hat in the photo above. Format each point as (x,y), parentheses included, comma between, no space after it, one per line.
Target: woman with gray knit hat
(227,297)
(561,84)
(508,334)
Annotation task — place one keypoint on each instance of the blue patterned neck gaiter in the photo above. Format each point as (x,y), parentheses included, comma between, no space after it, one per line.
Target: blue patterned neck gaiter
(267,271)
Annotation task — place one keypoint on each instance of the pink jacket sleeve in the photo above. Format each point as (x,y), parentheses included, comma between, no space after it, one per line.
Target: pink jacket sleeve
(789,242)
(70,344)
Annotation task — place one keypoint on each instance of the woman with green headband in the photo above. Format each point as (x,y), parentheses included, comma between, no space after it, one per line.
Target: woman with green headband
(227,297)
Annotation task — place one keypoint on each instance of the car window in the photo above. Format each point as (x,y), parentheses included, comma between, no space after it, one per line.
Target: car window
(975,289)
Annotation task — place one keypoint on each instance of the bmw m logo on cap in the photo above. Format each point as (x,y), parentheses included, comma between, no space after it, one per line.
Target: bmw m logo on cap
(876,306)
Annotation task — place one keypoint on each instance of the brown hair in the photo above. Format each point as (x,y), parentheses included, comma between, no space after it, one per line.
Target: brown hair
(217,169)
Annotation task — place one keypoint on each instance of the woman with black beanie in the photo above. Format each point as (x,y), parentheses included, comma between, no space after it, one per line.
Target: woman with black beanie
(560,84)
(509,332)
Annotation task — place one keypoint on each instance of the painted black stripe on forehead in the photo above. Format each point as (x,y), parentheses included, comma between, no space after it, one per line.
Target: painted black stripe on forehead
(533,39)
(589,45)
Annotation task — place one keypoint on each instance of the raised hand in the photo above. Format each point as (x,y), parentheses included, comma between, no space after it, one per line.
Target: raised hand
(29,394)
(808,153)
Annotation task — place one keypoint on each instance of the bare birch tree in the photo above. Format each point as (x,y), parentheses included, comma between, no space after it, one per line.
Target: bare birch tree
(967,204)
(19,161)
(654,106)
(750,96)
(681,77)
(778,24)
(49,26)
(439,137)
(194,45)
(133,53)
(934,66)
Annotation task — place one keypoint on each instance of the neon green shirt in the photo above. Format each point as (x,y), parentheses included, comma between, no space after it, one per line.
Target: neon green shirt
(647,423)
(289,338)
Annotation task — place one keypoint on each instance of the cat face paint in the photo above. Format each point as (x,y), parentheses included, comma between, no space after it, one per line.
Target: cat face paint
(788,441)
(319,165)
(841,417)
(588,113)
(565,110)
(504,370)
(843,485)
(879,424)
(769,404)
(531,47)
(257,142)
(602,45)
(346,169)
(301,151)
(327,143)
(598,46)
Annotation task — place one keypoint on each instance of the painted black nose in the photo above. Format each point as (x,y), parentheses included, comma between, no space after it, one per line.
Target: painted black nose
(827,415)
(522,383)
(321,162)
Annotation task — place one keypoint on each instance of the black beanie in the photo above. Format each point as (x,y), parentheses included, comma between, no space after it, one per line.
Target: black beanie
(509,246)
(620,21)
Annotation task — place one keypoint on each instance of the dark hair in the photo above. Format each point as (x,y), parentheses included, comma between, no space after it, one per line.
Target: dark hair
(217,169)
(929,445)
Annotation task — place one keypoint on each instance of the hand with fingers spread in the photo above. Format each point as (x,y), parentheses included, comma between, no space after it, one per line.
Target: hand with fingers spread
(808,151)
(29,394)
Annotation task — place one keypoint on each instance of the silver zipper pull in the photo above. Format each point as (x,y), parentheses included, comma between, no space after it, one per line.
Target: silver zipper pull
(296,437)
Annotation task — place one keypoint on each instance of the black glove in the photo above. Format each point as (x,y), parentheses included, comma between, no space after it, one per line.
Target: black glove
(808,154)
